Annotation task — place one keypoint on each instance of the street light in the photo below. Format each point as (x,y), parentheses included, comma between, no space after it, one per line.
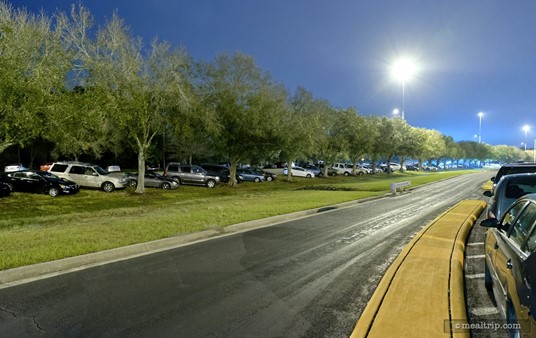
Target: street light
(480,127)
(526,128)
(396,112)
(403,70)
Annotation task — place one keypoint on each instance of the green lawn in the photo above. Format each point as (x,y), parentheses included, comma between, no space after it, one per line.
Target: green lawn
(37,228)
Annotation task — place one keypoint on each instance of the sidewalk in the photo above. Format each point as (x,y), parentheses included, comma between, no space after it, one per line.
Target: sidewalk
(422,293)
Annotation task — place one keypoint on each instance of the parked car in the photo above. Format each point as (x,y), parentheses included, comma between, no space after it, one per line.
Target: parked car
(314,169)
(45,166)
(41,182)
(5,190)
(250,175)
(510,264)
(153,180)
(412,167)
(430,167)
(88,175)
(341,169)
(14,167)
(509,189)
(299,172)
(513,168)
(221,171)
(190,175)
(392,165)
(268,176)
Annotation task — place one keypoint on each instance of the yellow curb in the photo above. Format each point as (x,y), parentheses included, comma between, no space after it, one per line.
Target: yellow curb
(422,292)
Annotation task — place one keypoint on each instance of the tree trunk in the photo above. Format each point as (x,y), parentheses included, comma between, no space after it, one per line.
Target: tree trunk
(140,188)
(232,172)
(289,171)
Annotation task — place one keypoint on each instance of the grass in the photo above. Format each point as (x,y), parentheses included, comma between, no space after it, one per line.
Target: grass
(38,228)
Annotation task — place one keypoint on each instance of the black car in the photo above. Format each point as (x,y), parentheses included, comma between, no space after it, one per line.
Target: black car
(39,182)
(4,189)
(513,168)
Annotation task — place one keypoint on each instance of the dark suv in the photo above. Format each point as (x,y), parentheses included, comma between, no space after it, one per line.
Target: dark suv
(190,174)
(221,171)
(513,168)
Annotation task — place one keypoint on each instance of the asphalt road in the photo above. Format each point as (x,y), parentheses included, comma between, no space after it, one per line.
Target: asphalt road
(310,277)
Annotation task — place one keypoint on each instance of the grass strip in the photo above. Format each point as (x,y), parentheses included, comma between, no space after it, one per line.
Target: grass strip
(38,228)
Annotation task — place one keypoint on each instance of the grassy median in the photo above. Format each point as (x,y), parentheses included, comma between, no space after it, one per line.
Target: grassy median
(38,228)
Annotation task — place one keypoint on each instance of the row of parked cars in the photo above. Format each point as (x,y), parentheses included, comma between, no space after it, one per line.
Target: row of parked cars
(68,177)
(510,245)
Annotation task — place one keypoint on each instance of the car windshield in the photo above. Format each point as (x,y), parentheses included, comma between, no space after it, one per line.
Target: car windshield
(101,171)
(46,174)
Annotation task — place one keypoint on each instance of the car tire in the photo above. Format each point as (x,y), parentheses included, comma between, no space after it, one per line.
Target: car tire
(54,192)
(211,184)
(133,183)
(346,173)
(488,282)
(333,174)
(361,173)
(269,178)
(308,176)
(176,179)
(166,186)
(257,180)
(108,186)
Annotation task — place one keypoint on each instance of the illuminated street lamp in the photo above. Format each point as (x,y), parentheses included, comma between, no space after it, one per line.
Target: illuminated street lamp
(526,128)
(396,112)
(403,71)
(480,127)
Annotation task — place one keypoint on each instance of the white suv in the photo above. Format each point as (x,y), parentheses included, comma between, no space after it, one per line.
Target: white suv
(88,175)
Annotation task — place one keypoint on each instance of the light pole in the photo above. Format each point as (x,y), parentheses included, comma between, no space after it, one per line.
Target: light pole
(403,70)
(526,129)
(480,127)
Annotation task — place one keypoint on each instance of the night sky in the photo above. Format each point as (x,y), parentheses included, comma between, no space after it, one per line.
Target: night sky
(472,56)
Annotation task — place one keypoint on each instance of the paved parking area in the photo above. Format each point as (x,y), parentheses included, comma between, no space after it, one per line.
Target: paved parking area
(481,311)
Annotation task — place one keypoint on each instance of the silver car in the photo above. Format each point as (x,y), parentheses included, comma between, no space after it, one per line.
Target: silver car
(88,175)
(508,189)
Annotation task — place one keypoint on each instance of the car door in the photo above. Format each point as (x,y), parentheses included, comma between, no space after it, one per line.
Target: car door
(198,175)
(500,254)
(509,255)
(21,182)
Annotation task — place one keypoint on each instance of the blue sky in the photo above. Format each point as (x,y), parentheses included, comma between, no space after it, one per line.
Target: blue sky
(472,55)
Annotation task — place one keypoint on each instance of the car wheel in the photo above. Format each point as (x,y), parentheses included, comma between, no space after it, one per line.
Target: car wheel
(166,186)
(488,282)
(308,176)
(54,192)
(257,180)
(133,183)
(269,178)
(108,186)
(361,173)
(211,184)
(333,174)
(346,173)
(176,179)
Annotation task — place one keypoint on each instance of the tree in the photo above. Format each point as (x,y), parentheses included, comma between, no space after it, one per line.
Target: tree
(33,66)
(140,90)
(299,127)
(357,135)
(247,105)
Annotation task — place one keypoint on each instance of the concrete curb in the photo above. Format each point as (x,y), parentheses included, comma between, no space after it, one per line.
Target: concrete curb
(422,292)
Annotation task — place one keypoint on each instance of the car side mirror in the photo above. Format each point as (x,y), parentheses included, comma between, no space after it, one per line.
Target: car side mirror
(487,193)
(492,179)
(490,223)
